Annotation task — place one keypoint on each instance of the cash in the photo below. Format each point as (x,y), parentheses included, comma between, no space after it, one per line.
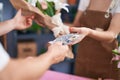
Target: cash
(67,39)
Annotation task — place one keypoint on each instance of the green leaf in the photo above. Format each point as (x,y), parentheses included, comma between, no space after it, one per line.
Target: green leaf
(39,6)
(50,10)
(115,52)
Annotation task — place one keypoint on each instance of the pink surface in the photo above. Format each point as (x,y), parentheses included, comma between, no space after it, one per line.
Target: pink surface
(52,75)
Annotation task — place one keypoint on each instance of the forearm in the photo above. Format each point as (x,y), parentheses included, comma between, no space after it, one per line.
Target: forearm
(77,18)
(106,36)
(51,26)
(28,69)
(6,26)
(48,22)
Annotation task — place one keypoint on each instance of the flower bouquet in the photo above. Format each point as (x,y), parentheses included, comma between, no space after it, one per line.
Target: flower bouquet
(41,8)
(49,7)
(116,53)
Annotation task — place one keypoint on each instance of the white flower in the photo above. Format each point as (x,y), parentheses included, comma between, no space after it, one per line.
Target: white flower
(43,4)
(59,5)
(119,49)
(41,0)
(32,2)
(118,65)
(56,19)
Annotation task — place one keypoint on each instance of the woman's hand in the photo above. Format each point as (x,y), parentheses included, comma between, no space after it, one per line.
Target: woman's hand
(57,52)
(83,31)
(22,22)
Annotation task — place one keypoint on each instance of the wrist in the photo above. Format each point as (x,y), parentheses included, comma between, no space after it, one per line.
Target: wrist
(90,32)
(14,24)
(50,57)
(51,26)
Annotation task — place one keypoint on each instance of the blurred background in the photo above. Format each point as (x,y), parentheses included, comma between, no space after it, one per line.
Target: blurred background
(33,41)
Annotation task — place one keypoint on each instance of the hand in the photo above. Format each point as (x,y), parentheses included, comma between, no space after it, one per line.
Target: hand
(22,22)
(58,52)
(44,21)
(83,31)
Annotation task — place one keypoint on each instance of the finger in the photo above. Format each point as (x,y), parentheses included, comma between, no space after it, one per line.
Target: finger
(73,29)
(39,23)
(59,59)
(58,43)
(74,42)
(31,16)
(77,41)
(48,44)
(62,58)
(18,13)
(29,21)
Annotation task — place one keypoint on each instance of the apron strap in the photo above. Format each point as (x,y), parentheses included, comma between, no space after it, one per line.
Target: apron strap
(112,5)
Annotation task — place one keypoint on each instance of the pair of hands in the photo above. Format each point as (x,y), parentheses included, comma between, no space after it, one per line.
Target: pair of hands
(58,51)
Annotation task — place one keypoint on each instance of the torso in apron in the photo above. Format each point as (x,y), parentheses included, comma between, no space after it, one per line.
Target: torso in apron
(93,60)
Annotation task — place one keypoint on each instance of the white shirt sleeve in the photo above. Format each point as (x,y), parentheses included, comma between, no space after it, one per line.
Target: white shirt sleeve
(83,4)
(4,57)
(118,8)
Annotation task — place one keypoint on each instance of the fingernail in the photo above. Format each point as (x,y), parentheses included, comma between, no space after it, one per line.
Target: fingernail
(70,29)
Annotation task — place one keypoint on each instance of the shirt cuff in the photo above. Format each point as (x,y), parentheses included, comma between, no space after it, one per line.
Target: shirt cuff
(4,58)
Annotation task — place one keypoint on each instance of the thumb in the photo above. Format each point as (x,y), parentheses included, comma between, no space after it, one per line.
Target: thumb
(74,29)
(19,12)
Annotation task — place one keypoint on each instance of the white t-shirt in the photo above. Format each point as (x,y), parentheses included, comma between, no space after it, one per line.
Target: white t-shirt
(83,4)
(4,57)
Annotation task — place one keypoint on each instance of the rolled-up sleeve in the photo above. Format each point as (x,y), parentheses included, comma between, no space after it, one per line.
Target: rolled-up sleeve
(4,58)
(83,4)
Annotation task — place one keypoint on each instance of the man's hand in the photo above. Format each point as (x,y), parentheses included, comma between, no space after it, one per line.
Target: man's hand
(22,22)
(58,52)
(44,21)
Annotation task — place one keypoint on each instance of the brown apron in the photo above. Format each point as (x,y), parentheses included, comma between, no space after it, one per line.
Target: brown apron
(92,59)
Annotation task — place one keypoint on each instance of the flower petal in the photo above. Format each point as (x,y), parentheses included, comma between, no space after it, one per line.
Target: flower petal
(32,2)
(59,5)
(56,19)
(118,64)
